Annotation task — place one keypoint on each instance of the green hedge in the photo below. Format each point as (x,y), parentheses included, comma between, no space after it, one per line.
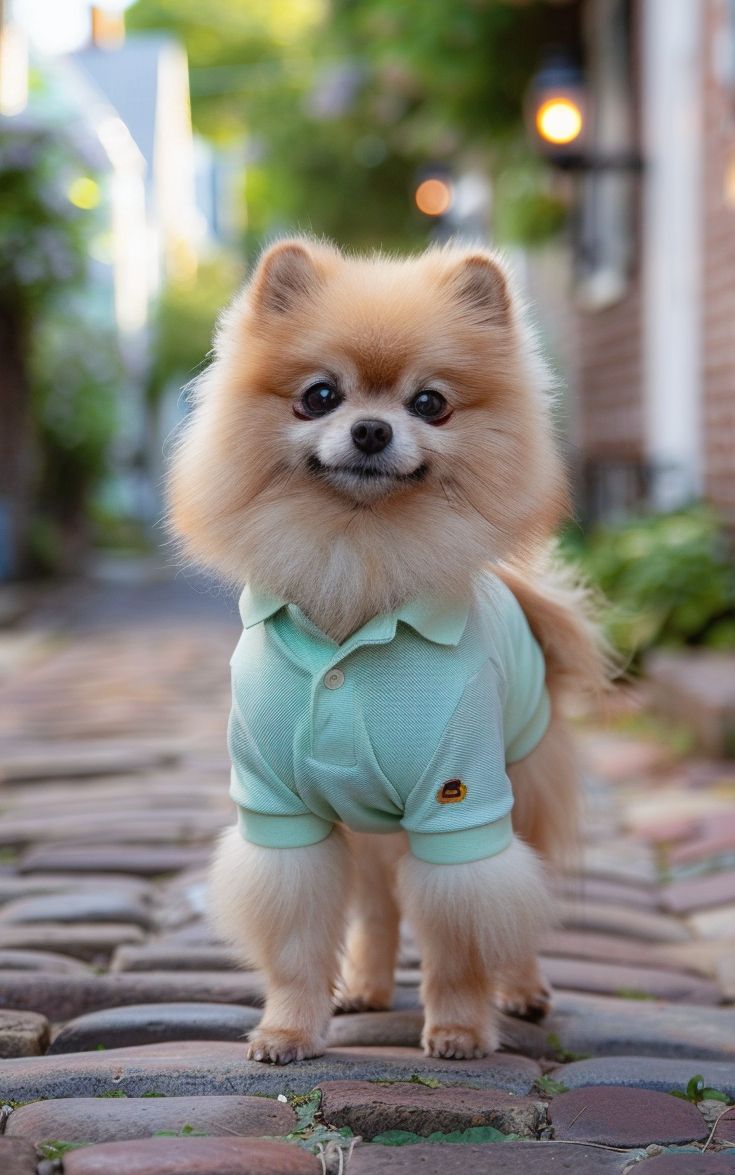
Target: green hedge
(669,578)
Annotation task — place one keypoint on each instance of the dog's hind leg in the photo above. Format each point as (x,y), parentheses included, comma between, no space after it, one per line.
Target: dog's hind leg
(372,938)
(474,922)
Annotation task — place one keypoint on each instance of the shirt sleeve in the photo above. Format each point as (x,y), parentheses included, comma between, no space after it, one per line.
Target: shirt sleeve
(269,811)
(526,710)
(460,808)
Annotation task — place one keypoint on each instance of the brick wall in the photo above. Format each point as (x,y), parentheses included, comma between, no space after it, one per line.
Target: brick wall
(718,277)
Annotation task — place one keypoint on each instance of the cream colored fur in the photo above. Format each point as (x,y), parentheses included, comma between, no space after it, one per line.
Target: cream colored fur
(264,493)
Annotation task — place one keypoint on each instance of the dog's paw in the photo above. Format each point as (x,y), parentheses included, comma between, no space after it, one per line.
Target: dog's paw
(364,999)
(456,1041)
(275,1046)
(532,1003)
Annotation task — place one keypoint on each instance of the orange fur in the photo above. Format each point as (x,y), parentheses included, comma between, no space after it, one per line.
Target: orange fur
(265,493)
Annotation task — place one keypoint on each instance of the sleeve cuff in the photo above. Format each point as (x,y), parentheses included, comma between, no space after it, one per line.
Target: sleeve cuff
(282,832)
(534,730)
(459,848)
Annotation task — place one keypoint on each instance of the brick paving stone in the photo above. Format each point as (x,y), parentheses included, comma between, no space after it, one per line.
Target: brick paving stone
(714,924)
(640,1072)
(725,973)
(22,1034)
(109,1119)
(601,917)
(509,1158)
(599,1026)
(699,893)
(621,1116)
(11,960)
(17,1157)
(600,889)
(89,907)
(147,861)
(369,1109)
(147,827)
(202,1067)
(69,760)
(78,941)
(688,1164)
(612,948)
(62,997)
(192,1156)
(121,1027)
(402,1029)
(31,885)
(168,957)
(613,979)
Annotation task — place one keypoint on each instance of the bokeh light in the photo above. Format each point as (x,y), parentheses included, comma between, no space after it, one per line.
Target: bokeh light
(433,197)
(84,192)
(559,121)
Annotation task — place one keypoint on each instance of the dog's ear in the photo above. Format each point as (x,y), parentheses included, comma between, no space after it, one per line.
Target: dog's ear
(287,274)
(480,286)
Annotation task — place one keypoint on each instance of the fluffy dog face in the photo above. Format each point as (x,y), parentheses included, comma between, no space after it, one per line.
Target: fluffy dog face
(371,429)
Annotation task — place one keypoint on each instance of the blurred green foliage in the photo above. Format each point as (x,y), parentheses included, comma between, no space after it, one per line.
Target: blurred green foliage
(344,103)
(184,322)
(669,578)
(61,373)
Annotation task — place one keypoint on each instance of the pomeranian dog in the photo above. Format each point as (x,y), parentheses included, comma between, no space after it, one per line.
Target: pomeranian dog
(371,455)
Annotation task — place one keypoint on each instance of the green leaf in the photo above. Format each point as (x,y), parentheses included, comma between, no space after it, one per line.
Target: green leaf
(695,1086)
(715,1095)
(548,1085)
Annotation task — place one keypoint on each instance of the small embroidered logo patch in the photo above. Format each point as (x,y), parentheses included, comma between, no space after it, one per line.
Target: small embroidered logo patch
(451,792)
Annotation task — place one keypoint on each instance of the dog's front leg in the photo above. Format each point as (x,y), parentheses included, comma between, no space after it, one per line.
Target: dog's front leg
(472,922)
(283,910)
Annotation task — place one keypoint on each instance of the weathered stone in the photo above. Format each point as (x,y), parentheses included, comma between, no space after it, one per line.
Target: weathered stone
(510,1158)
(149,827)
(621,1116)
(369,1109)
(169,957)
(601,917)
(146,861)
(641,1072)
(22,1034)
(612,979)
(699,893)
(108,1119)
(121,1027)
(186,1068)
(61,997)
(690,1163)
(17,1157)
(81,942)
(598,1025)
(388,1029)
(725,973)
(89,907)
(725,1128)
(41,961)
(192,1156)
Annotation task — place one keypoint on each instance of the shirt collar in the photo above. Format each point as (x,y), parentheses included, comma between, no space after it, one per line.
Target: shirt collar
(440,621)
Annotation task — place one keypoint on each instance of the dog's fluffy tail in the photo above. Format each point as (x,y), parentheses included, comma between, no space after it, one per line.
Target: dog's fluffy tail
(561,612)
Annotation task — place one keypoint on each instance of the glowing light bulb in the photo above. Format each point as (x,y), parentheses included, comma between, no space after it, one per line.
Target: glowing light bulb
(559,121)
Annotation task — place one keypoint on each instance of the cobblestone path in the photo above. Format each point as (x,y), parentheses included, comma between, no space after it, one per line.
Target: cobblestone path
(122,1021)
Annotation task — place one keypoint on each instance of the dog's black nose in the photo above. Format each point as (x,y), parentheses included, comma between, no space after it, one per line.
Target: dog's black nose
(371,436)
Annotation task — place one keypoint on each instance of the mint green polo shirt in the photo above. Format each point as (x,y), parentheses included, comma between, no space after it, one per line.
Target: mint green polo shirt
(409,723)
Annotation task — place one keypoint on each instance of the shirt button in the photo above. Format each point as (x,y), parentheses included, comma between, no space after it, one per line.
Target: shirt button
(334,679)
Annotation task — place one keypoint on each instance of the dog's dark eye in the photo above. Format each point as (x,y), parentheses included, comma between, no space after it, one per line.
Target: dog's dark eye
(429,405)
(318,400)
